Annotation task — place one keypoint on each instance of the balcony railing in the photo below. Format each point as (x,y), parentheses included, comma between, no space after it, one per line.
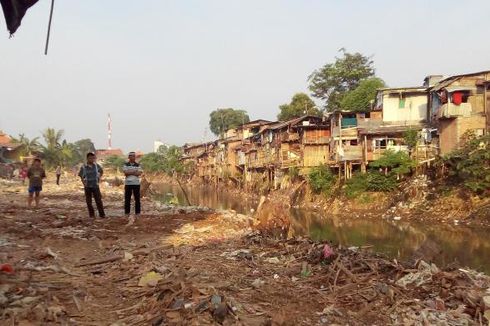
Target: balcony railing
(347,132)
(450,110)
(350,153)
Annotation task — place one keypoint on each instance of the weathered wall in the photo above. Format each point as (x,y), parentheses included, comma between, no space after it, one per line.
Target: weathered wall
(314,155)
(451,130)
(448,135)
(415,108)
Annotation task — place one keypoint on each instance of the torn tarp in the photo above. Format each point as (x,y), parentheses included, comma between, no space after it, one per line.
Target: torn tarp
(14,11)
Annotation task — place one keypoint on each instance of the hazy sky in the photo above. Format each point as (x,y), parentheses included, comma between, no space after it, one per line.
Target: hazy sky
(160,67)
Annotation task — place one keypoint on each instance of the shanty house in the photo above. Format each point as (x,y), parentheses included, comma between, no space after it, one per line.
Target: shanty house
(398,110)
(459,104)
(403,105)
(344,144)
(9,151)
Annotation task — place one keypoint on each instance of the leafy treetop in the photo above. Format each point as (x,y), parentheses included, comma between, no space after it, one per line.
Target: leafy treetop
(300,105)
(223,119)
(360,99)
(332,81)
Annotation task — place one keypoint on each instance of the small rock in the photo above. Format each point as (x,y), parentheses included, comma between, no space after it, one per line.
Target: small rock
(177,304)
(202,306)
(258,283)
(215,300)
(127,256)
(487,315)
(273,260)
(486,302)
(220,313)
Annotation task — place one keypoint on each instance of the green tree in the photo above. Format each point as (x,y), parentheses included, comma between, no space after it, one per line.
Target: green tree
(84,146)
(360,98)
(411,137)
(57,151)
(152,162)
(332,81)
(52,137)
(221,120)
(115,162)
(28,146)
(301,104)
(67,154)
(167,160)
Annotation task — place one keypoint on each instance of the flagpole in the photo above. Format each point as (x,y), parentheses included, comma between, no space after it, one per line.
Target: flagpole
(49,27)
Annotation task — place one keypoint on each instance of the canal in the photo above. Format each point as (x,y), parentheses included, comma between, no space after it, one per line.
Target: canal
(463,245)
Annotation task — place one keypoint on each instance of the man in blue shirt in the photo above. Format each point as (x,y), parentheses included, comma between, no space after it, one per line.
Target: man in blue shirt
(132,171)
(90,174)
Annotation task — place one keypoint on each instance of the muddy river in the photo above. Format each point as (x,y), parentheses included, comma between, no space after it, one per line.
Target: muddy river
(463,245)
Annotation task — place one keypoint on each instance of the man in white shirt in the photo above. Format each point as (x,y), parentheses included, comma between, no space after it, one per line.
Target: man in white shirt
(132,171)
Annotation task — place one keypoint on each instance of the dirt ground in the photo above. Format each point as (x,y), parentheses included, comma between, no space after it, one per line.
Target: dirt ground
(193,266)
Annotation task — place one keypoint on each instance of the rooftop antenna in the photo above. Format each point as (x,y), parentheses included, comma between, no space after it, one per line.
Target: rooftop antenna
(109,130)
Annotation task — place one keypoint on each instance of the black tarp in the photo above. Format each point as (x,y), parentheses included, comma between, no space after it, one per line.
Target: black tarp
(14,11)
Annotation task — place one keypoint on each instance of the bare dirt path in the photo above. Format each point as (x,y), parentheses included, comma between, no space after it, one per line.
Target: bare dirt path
(181,266)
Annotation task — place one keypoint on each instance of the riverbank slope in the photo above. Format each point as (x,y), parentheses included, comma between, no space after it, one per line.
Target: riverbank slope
(416,199)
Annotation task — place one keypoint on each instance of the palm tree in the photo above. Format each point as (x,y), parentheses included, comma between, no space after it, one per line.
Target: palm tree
(52,138)
(52,150)
(66,153)
(28,146)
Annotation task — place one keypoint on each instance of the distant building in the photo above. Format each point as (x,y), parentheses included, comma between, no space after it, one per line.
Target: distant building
(9,151)
(157,144)
(103,154)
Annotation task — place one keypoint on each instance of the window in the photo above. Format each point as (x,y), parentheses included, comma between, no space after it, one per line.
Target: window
(479,132)
(401,103)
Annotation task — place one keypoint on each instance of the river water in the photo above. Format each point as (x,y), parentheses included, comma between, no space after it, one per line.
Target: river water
(463,245)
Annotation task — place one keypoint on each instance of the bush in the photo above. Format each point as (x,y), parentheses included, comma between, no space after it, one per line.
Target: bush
(321,179)
(371,181)
(115,162)
(355,186)
(411,137)
(380,182)
(397,162)
(470,165)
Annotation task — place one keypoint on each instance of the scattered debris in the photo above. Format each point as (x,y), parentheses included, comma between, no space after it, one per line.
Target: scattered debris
(327,252)
(203,267)
(150,279)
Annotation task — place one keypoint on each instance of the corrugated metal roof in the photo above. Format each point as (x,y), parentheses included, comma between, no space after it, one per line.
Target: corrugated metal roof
(449,80)
(401,89)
